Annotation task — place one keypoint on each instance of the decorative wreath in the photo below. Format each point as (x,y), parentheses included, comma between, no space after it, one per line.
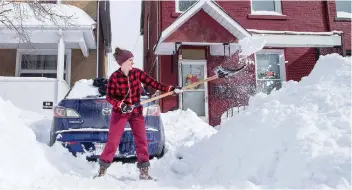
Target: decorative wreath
(190,79)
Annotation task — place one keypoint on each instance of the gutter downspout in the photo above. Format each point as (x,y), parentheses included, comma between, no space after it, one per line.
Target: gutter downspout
(157,34)
(98,33)
(328,15)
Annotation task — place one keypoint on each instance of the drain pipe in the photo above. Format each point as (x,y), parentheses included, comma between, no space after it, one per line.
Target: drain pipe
(98,33)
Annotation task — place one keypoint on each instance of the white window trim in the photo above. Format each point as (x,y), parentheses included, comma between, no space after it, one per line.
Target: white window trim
(20,52)
(205,90)
(177,8)
(281,53)
(278,8)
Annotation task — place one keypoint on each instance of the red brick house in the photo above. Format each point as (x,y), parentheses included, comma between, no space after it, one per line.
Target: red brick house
(186,40)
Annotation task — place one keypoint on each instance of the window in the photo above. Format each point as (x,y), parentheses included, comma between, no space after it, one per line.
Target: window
(183,5)
(41,63)
(343,9)
(270,70)
(266,7)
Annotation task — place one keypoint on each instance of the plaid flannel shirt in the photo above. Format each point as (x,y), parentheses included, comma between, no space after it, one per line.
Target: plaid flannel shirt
(128,89)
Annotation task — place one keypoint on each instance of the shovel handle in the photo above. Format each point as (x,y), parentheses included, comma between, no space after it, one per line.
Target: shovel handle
(184,88)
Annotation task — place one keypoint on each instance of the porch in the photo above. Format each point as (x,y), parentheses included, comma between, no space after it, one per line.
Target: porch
(41,50)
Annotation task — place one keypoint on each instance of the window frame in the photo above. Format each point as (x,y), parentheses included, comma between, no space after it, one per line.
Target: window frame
(282,61)
(177,7)
(278,7)
(20,52)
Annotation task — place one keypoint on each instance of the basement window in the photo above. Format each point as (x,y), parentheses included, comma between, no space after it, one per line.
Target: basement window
(270,70)
(183,5)
(266,7)
(343,9)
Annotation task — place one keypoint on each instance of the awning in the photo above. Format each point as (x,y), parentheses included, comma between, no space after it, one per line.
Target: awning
(299,39)
(213,10)
(42,30)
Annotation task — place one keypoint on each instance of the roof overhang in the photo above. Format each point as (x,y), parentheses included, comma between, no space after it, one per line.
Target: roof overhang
(44,38)
(299,39)
(213,10)
(77,27)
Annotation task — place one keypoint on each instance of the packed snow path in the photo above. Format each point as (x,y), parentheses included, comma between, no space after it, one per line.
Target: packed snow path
(297,137)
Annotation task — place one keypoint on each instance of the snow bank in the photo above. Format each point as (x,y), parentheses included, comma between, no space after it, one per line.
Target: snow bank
(22,156)
(297,137)
(184,128)
(29,163)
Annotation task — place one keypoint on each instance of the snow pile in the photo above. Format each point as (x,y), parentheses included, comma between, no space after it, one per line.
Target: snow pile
(184,128)
(22,156)
(82,89)
(297,137)
(24,136)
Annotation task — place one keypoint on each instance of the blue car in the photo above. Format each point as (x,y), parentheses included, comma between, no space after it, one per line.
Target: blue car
(81,125)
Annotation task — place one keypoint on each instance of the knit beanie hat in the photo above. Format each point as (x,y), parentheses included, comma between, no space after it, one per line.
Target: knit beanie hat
(122,55)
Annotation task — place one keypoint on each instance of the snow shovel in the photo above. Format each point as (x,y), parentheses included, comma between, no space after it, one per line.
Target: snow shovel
(218,71)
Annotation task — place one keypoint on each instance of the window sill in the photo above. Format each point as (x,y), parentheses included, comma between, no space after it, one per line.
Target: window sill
(175,14)
(342,19)
(268,17)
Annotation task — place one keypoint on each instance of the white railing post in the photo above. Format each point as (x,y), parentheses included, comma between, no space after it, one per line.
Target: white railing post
(60,60)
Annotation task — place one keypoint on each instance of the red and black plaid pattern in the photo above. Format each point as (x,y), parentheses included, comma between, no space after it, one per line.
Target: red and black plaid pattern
(128,89)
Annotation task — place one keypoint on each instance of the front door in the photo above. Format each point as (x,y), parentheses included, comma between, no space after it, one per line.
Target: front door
(196,99)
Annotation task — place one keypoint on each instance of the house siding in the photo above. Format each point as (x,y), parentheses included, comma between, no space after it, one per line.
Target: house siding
(90,7)
(82,67)
(8,62)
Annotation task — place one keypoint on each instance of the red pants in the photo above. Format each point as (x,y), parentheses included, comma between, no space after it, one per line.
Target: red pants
(116,130)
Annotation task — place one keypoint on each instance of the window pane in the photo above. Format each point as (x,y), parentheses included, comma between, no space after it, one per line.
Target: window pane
(40,62)
(184,4)
(263,5)
(343,6)
(191,74)
(266,86)
(268,66)
(49,75)
(31,75)
(194,101)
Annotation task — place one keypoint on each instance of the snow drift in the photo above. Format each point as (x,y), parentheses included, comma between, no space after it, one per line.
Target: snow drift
(296,137)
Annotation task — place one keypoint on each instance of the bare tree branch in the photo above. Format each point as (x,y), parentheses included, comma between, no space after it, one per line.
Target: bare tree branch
(15,14)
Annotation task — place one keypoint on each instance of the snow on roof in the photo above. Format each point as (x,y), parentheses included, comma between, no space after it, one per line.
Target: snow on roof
(58,15)
(295,32)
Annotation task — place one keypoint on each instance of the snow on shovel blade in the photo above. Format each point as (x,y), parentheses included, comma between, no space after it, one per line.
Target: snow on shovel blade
(250,45)
(227,72)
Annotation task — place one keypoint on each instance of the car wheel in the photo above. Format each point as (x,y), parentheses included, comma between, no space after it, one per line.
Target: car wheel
(162,152)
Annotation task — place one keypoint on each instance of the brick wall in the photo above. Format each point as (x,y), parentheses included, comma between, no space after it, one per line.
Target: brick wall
(300,15)
(301,62)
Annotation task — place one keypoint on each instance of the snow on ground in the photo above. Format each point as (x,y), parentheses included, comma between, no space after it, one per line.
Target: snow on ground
(297,137)
(25,135)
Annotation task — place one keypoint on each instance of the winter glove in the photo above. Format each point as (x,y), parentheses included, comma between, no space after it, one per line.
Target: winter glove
(176,90)
(125,108)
